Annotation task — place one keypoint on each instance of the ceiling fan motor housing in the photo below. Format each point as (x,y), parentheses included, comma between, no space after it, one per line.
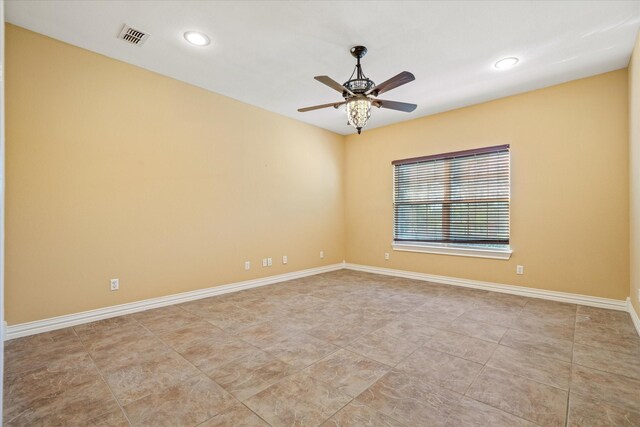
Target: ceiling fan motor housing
(359,85)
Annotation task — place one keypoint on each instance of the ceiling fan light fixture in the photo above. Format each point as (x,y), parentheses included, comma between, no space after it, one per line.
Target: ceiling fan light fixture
(358,112)
(505,63)
(360,92)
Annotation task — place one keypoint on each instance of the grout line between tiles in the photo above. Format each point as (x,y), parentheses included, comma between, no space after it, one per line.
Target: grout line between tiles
(203,373)
(95,365)
(573,342)
(189,362)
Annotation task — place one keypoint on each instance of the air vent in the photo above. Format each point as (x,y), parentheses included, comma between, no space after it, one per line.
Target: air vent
(132,35)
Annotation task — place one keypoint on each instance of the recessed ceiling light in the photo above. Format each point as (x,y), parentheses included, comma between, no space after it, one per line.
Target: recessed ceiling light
(506,63)
(196,38)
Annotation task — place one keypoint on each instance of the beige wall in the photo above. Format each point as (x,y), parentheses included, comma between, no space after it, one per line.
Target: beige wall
(634,176)
(114,171)
(570,183)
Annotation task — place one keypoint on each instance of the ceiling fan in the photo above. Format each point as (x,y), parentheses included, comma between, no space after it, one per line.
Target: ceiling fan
(360,93)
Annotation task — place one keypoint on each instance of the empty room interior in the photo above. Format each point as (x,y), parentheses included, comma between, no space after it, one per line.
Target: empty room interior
(305,213)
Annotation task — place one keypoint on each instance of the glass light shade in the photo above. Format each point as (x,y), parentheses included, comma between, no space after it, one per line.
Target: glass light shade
(358,112)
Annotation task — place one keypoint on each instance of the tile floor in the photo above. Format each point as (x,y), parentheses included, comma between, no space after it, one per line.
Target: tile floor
(338,349)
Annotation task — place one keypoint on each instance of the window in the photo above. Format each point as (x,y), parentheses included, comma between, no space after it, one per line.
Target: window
(454,203)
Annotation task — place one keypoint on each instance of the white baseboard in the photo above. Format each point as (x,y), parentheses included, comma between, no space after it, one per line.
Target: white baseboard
(45,325)
(612,304)
(634,315)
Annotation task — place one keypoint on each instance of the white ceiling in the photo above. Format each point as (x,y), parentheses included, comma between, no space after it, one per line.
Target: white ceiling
(265,53)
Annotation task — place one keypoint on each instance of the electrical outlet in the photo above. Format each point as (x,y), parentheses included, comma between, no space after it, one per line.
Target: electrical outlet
(520,269)
(321,254)
(264,262)
(386,256)
(247,265)
(285,259)
(115,284)
(269,262)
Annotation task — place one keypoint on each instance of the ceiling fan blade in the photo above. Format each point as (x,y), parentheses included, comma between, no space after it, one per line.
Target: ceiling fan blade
(395,81)
(317,107)
(332,84)
(394,105)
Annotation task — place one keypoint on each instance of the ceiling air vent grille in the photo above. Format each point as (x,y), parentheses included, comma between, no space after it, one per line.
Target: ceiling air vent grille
(132,35)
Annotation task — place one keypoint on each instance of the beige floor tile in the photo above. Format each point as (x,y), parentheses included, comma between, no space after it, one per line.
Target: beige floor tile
(552,307)
(472,349)
(343,330)
(37,351)
(383,347)
(608,361)
(533,401)
(211,306)
(442,369)
(165,319)
(298,400)
(562,318)
(532,365)
(250,374)
(214,352)
(233,322)
(470,412)
(603,315)
(300,318)
(609,338)
(184,404)
(306,301)
(237,415)
(113,418)
(433,319)
(588,326)
(410,328)
(117,338)
(31,395)
(140,378)
(586,412)
(337,309)
(475,329)
(551,347)
(109,330)
(501,316)
(348,372)
(264,334)
(502,301)
(448,307)
(357,414)
(410,399)
(606,387)
(181,339)
(19,346)
(539,324)
(626,344)
(127,350)
(66,392)
(300,350)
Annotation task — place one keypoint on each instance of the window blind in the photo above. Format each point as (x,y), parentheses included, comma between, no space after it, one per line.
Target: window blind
(458,198)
